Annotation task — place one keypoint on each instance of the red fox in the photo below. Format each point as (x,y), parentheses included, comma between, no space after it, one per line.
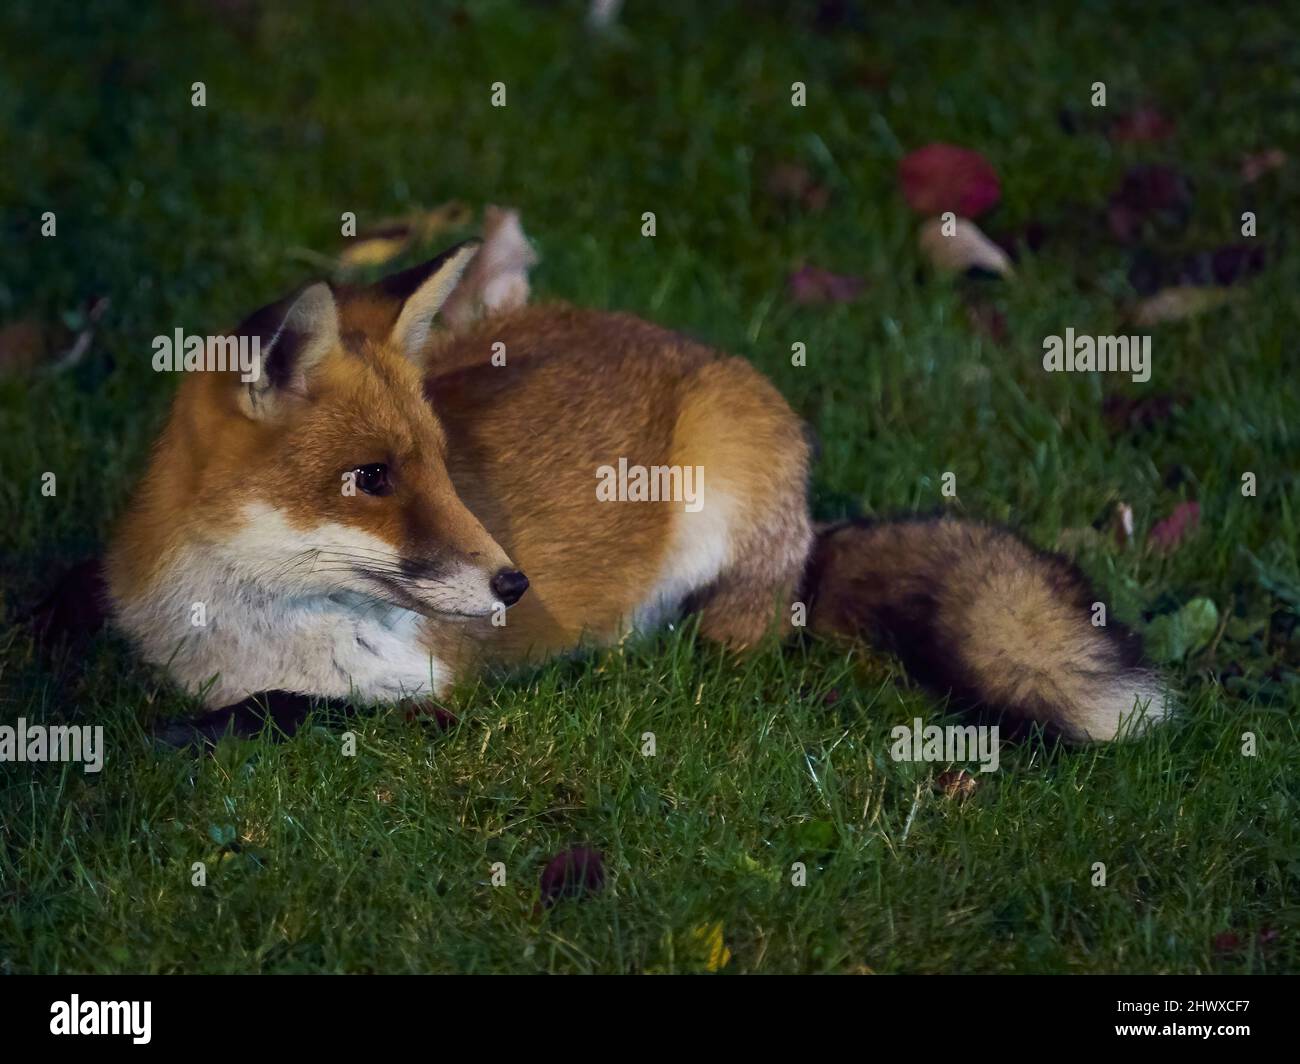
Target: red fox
(355,522)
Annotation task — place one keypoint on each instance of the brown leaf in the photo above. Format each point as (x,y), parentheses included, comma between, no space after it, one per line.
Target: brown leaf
(956,783)
(24,344)
(793,184)
(987,321)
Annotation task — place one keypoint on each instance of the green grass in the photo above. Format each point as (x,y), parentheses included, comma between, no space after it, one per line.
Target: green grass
(380,862)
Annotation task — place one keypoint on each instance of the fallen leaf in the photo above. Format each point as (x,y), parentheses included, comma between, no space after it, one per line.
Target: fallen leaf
(376,247)
(708,943)
(967,248)
(988,321)
(811,284)
(1176,304)
(23,345)
(1253,167)
(1170,532)
(944,177)
(1123,522)
(1141,125)
(1124,413)
(956,783)
(573,873)
(386,240)
(1226,942)
(794,184)
(1149,194)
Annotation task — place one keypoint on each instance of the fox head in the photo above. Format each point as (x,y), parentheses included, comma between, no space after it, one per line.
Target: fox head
(326,475)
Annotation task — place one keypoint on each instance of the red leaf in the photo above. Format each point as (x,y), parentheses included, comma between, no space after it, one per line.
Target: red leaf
(573,873)
(944,177)
(1226,942)
(1144,124)
(810,284)
(1170,533)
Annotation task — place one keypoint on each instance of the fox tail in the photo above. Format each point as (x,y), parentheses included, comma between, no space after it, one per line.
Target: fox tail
(977,614)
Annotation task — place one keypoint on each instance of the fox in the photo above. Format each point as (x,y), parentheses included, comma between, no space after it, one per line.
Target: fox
(408,494)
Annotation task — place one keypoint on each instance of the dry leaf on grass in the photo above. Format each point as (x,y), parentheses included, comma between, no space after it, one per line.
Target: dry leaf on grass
(1175,304)
(956,783)
(387,240)
(967,248)
(23,345)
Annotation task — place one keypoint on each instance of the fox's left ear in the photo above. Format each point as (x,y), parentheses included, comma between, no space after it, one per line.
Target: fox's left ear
(422,290)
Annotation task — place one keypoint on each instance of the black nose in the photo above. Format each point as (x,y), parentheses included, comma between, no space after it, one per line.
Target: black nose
(509,585)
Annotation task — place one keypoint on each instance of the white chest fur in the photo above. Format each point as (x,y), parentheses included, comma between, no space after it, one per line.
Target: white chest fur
(226,637)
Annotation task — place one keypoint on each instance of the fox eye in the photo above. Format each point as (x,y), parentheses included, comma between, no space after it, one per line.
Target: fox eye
(373,479)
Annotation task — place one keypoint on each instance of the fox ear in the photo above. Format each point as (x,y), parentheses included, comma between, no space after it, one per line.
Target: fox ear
(498,280)
(294,335)
(422,290)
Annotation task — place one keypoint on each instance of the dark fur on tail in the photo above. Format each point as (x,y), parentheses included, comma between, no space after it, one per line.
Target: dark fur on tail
(976,613)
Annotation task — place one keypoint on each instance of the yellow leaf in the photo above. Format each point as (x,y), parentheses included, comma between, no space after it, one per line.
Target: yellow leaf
(713,949)
(377,249)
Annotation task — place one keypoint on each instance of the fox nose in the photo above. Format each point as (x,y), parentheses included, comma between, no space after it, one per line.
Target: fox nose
(509,585)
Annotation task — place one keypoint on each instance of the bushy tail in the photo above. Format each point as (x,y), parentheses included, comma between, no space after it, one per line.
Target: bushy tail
(975,612)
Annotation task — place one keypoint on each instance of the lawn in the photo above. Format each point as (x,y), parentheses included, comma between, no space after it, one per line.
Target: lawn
(184,216)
